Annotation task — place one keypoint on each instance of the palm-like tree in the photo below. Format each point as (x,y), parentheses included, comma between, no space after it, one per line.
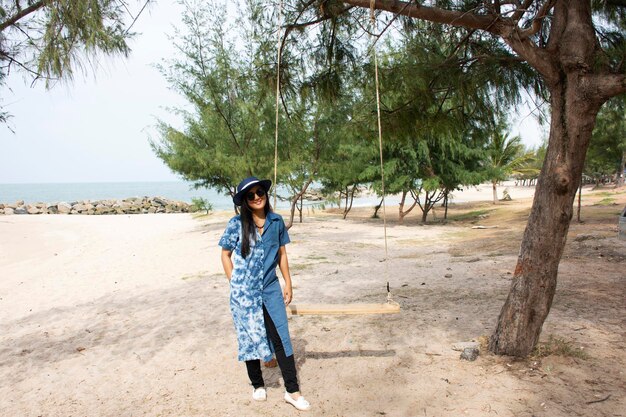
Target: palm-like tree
(506,156)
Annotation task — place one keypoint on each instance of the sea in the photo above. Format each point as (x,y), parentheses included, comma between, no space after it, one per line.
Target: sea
(173,190)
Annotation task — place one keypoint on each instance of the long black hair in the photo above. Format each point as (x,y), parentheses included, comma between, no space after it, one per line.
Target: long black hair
(248,228)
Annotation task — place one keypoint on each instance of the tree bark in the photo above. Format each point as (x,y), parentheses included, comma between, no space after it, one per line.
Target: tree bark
(580,193)
(494,185)
(534,281)
(620,175)
(401,212)
(378,207)
(401,207)
(426,207)
(349,194)
(575,99)
(294,202)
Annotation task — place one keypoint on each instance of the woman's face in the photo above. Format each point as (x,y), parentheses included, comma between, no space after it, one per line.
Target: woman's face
(256,202)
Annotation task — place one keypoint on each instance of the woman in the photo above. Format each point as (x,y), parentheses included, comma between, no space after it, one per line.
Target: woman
(253,245)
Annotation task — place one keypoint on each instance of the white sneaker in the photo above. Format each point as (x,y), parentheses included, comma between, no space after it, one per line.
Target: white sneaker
(259,394)
(301,404)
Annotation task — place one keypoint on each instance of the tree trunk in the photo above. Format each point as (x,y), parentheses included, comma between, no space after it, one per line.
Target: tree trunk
(349,202)
(534,281)
(580,192)
(425,207)
(401,207)
(401,213)
(294,202)
(620,174)
(494,185)
(445,204)
(378,207)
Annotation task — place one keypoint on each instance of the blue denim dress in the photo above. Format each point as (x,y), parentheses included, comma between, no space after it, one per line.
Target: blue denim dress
(254,283)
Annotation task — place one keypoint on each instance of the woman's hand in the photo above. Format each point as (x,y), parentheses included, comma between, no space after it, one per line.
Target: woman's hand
(283,264)
(287,294)
(227,263)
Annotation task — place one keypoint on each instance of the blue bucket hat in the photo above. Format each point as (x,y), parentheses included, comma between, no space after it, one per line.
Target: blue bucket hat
(248,183)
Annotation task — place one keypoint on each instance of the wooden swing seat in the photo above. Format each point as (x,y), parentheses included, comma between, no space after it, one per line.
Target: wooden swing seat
(342,309)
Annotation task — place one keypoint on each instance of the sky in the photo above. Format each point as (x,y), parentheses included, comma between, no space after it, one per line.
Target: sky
(98,127)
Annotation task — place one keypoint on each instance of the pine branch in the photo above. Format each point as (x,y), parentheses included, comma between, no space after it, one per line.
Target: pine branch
(21,14)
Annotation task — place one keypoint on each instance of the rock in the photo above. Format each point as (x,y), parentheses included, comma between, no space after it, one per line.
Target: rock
(469,354)
(582,238)
(86,207)
(461,346)
(505,195)
(160,201)
(448,275)
(64,208)
(19,203)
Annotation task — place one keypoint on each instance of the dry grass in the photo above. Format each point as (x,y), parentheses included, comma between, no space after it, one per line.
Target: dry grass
(558,346)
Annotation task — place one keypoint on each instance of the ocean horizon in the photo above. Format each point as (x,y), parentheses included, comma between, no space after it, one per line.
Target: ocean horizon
(70,192)
(32,193)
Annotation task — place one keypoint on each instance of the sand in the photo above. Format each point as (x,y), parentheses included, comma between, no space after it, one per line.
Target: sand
(128,315)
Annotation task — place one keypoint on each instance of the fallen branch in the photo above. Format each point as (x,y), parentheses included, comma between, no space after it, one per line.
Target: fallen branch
(599,401)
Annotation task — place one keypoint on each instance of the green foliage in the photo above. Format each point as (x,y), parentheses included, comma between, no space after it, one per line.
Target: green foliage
(54,38)
(608,142)
(200,203)
(229,133)
(50,40)
(436,105)
(505,156)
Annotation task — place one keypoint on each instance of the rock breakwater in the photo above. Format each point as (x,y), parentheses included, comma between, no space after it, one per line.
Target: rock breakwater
(134,205)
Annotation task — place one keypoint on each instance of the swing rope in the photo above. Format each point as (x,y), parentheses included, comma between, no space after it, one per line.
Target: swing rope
(330,309)
(278,55)
(380,140)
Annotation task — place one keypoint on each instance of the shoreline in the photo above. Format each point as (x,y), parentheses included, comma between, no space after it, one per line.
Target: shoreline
(482,192)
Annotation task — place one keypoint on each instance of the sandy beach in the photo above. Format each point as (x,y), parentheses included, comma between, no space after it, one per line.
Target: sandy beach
(128,316)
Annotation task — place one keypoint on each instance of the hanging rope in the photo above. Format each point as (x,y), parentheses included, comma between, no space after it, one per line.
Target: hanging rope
(278,55)
(391,306)
(380,141)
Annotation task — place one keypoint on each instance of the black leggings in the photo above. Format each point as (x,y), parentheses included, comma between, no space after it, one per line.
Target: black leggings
(287,364)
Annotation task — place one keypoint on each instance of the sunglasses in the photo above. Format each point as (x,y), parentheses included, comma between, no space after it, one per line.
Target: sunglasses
(251,196)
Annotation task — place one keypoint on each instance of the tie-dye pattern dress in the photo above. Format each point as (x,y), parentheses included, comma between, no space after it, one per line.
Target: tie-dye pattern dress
(254,283)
